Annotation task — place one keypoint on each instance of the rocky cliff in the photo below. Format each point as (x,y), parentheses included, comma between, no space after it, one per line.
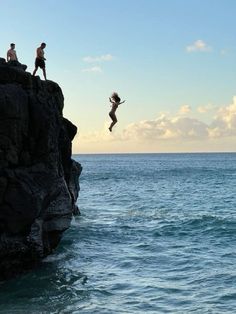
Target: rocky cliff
(38,179)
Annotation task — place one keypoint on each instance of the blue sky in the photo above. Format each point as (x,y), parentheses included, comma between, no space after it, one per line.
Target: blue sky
(142,49)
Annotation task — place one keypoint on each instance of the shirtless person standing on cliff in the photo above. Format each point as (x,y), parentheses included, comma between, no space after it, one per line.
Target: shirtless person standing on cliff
(115,100)
(40,60)
(11,53)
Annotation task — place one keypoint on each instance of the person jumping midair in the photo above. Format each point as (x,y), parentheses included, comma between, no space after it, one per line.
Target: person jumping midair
(115,100)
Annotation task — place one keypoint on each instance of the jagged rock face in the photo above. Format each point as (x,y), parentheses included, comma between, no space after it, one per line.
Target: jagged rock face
(38,179)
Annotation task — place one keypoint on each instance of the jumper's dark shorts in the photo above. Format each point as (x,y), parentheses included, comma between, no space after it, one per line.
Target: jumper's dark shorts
(39,63)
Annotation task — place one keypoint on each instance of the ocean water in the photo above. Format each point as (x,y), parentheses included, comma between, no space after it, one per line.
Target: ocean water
(157,234)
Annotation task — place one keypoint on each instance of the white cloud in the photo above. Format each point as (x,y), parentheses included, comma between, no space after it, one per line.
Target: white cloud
(184,109)
(198,45)
(93,69)
(165,128)
(186,128)
(107,57)
(224,123)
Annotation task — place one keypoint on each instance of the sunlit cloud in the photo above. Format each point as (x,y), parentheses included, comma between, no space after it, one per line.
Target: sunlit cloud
(95,69)
(198,45)
(185,109)
(107,57)
(166,128)
(186,128)
(224,123)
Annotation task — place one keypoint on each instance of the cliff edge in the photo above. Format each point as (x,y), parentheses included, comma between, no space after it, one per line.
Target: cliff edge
(39,182)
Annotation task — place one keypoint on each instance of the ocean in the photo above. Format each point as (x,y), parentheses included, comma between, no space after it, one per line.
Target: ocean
(156,234)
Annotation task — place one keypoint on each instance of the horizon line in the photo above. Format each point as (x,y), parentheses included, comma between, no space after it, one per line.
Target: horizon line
(152,153)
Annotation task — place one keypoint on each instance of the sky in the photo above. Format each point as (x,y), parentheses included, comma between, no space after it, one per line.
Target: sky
(173,61)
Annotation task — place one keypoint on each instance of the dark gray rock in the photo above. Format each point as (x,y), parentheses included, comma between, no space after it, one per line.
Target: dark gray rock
(39,182)
(2,61)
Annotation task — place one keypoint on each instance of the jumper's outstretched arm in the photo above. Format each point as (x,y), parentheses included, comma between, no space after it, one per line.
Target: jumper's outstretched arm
(122,102)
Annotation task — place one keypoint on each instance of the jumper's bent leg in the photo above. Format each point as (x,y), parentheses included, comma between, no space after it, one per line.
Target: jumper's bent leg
(114,121)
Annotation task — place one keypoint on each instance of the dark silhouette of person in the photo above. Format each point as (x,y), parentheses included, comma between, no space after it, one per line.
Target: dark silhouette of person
(11,53)
(12,59)
(115,102)
(40,60)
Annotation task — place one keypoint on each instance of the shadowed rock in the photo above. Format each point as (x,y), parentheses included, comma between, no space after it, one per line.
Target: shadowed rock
(38,179)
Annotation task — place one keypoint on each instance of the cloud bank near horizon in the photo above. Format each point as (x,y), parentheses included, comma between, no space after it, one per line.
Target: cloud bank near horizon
(166,129)
(179,126)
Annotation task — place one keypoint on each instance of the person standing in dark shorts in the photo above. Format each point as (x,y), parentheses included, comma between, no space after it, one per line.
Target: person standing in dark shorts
(40,60)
